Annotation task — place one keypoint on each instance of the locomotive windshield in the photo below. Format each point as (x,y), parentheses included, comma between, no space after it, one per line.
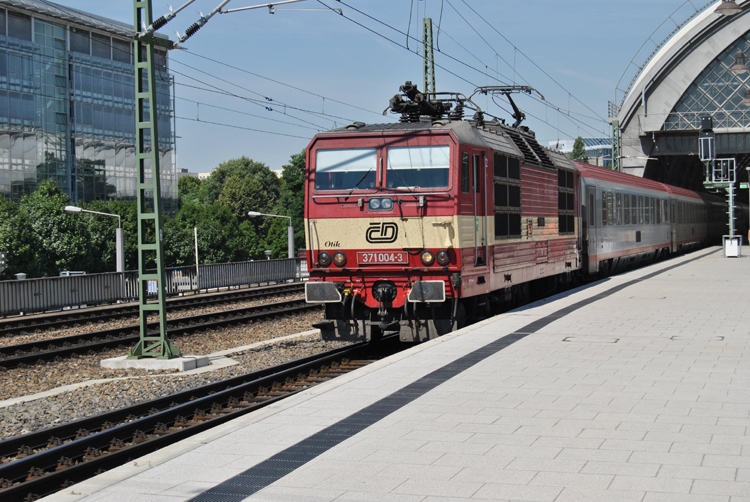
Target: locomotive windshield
(346,169)
(418,167)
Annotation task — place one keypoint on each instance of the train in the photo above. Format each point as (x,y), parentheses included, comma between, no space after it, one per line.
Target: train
(421,226)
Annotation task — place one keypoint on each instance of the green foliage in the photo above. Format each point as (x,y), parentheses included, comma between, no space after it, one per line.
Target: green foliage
(15,238)
(221,237)
(292,201)
(190,190)
(579,151)
(244,168)
(40,239)
(58,243)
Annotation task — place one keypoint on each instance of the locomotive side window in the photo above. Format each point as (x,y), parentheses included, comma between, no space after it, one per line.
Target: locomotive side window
(626,220)
(465,175)
(418,167)
(566,201)
(346,169)
(507,186)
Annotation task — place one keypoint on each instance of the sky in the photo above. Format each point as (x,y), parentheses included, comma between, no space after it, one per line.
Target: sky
(262,85)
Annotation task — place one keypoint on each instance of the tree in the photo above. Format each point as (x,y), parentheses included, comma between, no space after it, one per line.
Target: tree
(292,199)
(579,150)
(15,239)
(241,195)
(190,190)
(243,168)
(57,239)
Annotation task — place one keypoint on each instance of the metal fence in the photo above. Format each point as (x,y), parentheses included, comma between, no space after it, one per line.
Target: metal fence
(51,293)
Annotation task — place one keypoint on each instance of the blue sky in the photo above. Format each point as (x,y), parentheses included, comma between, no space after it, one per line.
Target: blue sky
(343,73)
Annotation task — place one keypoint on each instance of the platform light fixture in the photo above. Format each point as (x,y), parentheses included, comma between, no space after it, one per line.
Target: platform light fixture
(740,63)
(728,8)
(290,230)
(119,236)
(746,101)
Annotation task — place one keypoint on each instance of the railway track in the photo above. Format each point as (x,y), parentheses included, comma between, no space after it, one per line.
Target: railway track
(65,319)
(44,462)
(45,350)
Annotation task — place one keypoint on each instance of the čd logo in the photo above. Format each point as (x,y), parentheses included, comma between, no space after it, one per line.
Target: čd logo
(382,233)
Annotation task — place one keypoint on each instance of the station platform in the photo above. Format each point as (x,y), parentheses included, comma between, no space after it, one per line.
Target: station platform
(634,388)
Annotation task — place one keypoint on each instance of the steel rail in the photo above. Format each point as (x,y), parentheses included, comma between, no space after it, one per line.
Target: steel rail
(99,314)
(80,449)
(27,353)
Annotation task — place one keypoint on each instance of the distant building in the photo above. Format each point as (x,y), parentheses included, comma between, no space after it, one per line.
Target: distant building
(67,104)
(181,173)
(598,150)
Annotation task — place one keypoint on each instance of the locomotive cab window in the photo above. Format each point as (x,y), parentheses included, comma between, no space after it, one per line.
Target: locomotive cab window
(507,190)
(346,169)
(418,167)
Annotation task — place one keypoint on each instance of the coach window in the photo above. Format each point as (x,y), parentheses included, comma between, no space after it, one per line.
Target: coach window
(619,208)
(653,211)
(418,167)
(659,210)
(346,169)
(604,209)
(633,210)
(465,173)
(640,209)
(565,201)
(507,185)
(626,220)
(646,212)
(592,210)
(666,211)
(610,209)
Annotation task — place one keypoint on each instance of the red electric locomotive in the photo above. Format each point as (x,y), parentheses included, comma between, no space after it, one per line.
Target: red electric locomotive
(415,226)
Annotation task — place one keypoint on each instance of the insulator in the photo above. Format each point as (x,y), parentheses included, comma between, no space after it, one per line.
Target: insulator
(191,31)
(414,117)
(458,112)
(404,119)
(159,23)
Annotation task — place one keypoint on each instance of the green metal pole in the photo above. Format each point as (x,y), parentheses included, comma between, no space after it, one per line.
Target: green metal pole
(149,218)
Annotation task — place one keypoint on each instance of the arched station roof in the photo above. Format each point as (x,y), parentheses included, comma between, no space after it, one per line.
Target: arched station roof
(686,79)
(680,63)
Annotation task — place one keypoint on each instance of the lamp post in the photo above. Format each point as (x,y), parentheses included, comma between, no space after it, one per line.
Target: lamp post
(119,240)
(728,8)
(290,230)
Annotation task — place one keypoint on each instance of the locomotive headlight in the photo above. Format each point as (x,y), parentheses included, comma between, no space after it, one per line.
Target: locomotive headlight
(339,259)
(324,258)
(443,258)
(427,258)
(380,204)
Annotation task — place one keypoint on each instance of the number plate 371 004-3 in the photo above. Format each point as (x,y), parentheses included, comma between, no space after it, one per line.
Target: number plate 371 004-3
(384,258)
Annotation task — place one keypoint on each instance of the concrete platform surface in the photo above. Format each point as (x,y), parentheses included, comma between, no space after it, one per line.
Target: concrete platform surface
(635,388)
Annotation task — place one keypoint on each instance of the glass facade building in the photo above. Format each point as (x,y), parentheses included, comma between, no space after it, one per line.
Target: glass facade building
(67,105)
